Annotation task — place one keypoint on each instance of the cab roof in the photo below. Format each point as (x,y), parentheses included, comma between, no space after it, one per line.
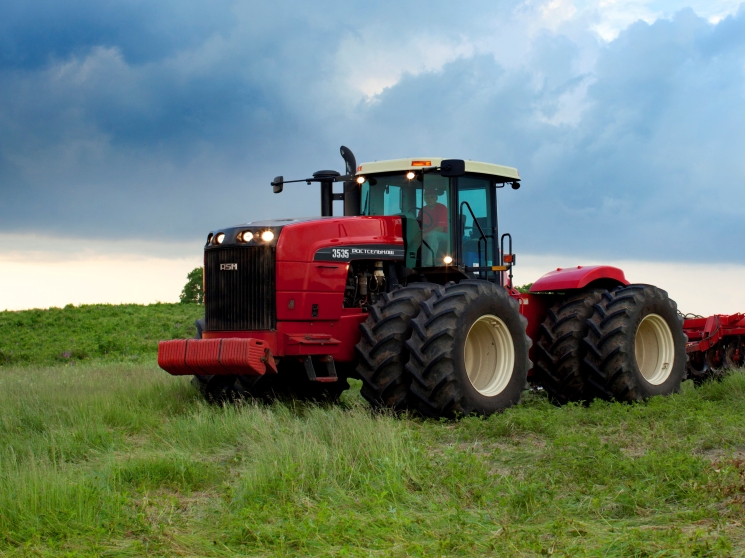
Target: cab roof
(393,165)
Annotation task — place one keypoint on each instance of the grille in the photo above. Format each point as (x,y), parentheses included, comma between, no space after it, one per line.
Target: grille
(242,298)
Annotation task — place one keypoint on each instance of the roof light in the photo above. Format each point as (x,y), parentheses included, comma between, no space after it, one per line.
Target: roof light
(411,175)
(267,236)
(448,260)
(421,163)
(361,179)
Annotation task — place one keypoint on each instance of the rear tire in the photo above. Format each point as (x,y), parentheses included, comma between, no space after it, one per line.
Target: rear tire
(635,345)
(382,354)
(468,351)
(560,350)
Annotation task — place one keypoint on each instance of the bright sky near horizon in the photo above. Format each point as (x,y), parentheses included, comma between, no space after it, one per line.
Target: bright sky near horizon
(129,130)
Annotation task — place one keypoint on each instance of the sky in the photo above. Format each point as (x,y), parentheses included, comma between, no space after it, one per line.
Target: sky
(130,129)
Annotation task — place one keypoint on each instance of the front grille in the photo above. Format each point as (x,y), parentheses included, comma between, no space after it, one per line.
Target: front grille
(242,298)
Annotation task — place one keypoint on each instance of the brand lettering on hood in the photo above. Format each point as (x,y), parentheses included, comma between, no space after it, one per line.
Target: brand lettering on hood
(348,253)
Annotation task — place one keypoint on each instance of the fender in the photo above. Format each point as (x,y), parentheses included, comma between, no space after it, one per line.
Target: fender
(579,277)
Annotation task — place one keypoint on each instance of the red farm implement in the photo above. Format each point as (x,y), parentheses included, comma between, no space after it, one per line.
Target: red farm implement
(715,344)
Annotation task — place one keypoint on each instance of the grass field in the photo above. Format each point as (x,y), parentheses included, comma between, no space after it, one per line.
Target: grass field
(102,453)
(124,460)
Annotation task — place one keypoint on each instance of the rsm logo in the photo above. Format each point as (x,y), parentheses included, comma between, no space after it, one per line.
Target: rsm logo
(229,267)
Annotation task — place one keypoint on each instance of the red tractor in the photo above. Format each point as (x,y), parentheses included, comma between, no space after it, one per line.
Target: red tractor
(411,292)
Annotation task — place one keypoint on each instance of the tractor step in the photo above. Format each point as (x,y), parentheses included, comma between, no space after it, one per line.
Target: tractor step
(311,371)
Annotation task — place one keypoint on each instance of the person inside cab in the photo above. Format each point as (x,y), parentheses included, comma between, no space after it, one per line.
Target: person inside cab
(434,219)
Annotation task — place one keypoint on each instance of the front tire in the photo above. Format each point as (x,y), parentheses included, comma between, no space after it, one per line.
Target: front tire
(635,345)
(468,351)
(381,353)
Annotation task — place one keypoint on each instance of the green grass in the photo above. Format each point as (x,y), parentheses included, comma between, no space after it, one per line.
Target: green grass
(101,453)
(124,460)
(101,332)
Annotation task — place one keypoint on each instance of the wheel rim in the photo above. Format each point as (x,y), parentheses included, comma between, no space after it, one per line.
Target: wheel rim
(655,349)
(489,355)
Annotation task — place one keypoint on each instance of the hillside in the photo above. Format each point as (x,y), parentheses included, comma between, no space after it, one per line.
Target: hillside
(114,333)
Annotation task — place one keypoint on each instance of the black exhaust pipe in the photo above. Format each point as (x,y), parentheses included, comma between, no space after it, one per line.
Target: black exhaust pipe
(351,188)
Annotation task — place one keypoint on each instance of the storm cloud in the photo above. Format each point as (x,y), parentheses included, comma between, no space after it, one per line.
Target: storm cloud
(156,120)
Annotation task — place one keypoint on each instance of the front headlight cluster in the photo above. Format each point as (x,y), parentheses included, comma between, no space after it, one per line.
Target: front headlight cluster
(266,236)
(255,236)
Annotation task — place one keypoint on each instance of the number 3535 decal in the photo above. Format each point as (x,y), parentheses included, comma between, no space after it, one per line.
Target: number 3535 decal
(360,252)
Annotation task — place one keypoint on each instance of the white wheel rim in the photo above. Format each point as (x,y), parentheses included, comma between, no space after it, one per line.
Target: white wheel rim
(489,355)
(654,349)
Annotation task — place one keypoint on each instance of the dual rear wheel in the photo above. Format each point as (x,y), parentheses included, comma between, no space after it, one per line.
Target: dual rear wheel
(626,344)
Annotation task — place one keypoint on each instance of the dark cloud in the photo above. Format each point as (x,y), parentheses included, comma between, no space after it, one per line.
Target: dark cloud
(32,33)
(155,120)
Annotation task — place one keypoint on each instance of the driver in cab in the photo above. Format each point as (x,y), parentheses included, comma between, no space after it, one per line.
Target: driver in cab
(434,219)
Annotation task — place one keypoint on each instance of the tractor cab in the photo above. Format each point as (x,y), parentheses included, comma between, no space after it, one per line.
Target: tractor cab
(449,213)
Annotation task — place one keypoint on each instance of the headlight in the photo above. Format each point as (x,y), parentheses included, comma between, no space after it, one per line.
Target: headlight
(219,238)
(448,260)
(247,236)
(267,236)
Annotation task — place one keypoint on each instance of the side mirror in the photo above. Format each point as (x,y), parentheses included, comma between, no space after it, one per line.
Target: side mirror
(278,184)
(515,185)
(452,167)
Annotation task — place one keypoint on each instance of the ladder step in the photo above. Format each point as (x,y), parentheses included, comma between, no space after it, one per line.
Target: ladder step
(311,372)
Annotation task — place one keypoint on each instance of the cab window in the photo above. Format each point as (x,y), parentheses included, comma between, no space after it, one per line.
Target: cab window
(425,198)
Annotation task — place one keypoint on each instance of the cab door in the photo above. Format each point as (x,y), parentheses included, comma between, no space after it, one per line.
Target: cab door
(476,217)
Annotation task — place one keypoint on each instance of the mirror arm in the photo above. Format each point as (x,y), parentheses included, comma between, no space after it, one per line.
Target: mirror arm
(344,178)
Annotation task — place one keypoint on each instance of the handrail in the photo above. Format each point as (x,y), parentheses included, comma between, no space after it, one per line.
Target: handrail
(508,236)
(434,256)
(481,231)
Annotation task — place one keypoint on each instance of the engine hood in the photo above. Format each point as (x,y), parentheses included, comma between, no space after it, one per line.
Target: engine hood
(314,238)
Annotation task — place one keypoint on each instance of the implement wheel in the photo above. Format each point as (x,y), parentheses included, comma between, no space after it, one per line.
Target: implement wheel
(560,350)
(715,360)
(696,368)
(734,356)
(635,344)
(469,351)
(381,353)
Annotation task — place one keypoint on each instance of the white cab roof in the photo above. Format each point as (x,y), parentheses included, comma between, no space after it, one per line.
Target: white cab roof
(393,165)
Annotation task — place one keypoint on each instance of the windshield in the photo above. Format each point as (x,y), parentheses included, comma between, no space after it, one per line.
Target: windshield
(426,198)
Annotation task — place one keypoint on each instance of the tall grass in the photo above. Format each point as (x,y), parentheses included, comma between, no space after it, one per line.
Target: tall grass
(122,459)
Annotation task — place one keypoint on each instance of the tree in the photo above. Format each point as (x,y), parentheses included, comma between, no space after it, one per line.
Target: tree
(524,288)
(193,292)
